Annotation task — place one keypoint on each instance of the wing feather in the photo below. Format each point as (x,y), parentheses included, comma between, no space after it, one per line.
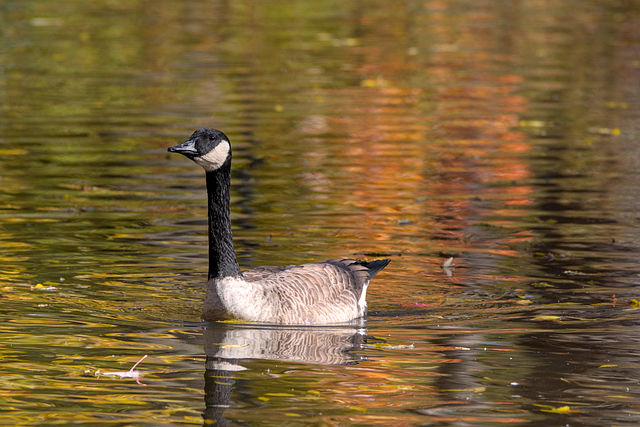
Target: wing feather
(323,292)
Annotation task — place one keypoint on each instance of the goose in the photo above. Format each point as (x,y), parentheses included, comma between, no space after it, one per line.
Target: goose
(326,292)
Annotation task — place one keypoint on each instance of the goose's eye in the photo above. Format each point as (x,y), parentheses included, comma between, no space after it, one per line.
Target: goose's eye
(211,137)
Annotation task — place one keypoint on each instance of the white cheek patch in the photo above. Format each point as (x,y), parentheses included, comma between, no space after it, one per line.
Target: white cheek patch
(214,158)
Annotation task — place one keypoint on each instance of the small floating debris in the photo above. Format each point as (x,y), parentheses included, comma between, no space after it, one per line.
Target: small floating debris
(448,266)
(573,273)
(41,287)
(131,373)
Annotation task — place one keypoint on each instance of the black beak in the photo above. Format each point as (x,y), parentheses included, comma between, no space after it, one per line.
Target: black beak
(187,148)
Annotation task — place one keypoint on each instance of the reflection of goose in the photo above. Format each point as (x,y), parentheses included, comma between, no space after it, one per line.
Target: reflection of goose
(330,291)
(325,346)
(224,344)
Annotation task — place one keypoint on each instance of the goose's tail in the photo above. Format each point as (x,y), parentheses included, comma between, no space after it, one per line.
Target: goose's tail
(374,267)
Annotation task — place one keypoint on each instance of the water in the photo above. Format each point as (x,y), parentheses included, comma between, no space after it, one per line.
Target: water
(502,134)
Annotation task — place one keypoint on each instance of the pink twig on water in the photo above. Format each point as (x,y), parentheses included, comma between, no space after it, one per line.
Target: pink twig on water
(126,374)
(137,363)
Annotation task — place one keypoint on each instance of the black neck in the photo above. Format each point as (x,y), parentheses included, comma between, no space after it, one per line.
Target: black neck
(222,257)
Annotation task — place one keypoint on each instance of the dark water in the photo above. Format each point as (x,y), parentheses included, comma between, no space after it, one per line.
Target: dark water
(502,134)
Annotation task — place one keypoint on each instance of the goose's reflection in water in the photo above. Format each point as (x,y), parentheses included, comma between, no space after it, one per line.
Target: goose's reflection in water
(226,345)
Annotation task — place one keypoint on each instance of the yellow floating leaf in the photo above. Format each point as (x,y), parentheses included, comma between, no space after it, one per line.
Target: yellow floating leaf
(561,410)
(263,398)
(546,318)
(280,394)
(42,287)
(524,302)
(634,303)
(606,366)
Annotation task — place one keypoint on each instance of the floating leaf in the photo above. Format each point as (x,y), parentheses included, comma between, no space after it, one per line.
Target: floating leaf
(41,287)
(561,410)
(547,318)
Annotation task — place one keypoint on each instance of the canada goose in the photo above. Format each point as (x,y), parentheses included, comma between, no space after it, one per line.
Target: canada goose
(330,291)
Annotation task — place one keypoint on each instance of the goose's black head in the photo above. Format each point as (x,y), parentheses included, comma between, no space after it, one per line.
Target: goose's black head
(207,147)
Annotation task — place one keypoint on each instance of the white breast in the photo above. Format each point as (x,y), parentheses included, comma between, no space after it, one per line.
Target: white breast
(240,298)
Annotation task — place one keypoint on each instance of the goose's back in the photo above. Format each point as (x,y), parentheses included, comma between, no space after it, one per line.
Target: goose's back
(329,291)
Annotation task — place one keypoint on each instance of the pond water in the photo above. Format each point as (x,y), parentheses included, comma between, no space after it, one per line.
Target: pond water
(503,135)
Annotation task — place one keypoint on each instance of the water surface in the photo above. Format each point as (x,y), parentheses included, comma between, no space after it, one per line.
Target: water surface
(502,135)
